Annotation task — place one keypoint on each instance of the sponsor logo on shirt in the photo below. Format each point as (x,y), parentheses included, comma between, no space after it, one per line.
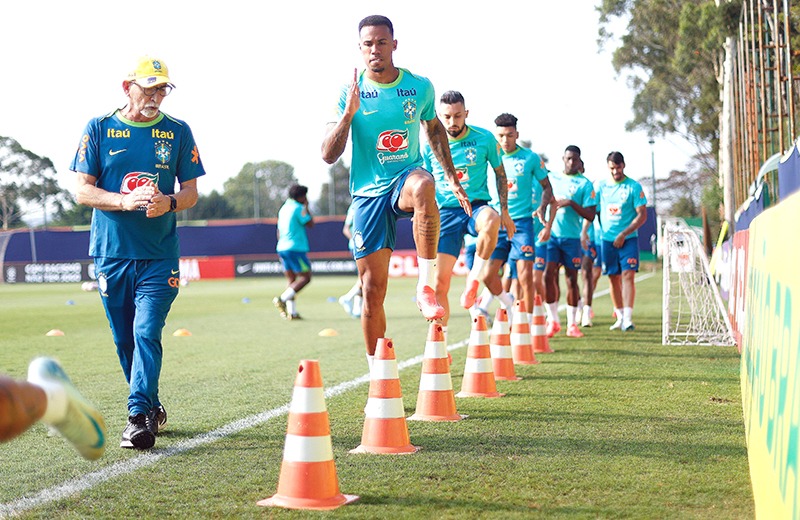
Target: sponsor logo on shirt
(133,180)
(369,94)
(392,141)
(463,176)
(82,148)
(161,134)
(118,134)
(512,189)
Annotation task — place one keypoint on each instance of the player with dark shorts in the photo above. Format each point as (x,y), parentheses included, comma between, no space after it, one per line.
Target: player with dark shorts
(384,108)
(622,211)
(473,150)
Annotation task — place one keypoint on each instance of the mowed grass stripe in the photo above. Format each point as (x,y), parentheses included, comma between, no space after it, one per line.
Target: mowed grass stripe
(574,423)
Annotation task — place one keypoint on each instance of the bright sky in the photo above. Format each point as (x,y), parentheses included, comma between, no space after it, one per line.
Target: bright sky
(259,80)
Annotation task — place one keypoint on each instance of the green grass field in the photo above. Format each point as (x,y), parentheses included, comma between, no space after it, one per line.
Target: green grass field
(612,425)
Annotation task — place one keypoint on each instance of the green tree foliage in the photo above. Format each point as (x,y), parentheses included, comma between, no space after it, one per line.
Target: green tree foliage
(266,182)
(672,51)
(73,214)
(336,201)
(213,206)
(26,178)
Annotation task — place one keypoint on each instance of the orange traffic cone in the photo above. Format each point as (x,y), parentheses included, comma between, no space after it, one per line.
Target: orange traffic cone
(521,348)
(541,345)
(385,428)
(500,347)
(478,372)
(308,475)
(435,400)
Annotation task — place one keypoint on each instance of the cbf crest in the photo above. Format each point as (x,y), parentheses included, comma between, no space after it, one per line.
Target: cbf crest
(471,154)
(163,151)
(410,109)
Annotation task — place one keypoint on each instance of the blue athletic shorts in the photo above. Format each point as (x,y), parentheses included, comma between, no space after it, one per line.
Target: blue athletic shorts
(625,258)
(375,218)
(591,251)
(455,223)
(521,245)
(565,251)
(295,261)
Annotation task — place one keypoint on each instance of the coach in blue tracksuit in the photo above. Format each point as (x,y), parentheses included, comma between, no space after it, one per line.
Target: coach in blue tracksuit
(127,163)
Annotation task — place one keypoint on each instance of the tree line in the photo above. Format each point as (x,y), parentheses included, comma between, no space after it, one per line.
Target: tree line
(257,191)
(670,50)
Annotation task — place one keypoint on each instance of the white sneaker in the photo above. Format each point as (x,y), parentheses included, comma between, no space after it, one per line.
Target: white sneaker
(586,320)
(617,325)
(356,313)
(628,326)
(82,424)
(347,304)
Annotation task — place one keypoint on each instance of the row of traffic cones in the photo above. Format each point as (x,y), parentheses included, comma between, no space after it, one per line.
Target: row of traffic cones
(308,477)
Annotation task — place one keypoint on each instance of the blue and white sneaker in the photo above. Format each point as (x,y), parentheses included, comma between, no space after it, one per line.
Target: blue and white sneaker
(628,327)
(79,422)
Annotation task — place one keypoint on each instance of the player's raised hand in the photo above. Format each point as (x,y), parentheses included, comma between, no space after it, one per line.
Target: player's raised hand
(353,101)
(462,197)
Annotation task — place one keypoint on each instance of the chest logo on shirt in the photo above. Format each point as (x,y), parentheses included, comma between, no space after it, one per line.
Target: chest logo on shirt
(163,151)
(519,169)
(614,210)
(133,180)
(471,154)
(392,141)
(409,108)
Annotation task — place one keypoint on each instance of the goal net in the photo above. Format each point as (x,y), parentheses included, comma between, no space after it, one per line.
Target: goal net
(693,311)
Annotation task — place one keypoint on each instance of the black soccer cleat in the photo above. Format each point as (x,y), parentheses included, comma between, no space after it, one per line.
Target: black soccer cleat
(138,433)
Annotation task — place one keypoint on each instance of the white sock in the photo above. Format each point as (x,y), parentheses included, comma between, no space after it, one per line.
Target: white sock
(618,313)
(288,294)
(485,299)
(477,267)
(291,308)
(627,314)
(354,290)
(580,305)
(370,359)
(427,272)
(552,312)
(587,310)
(506,300)
(571,312)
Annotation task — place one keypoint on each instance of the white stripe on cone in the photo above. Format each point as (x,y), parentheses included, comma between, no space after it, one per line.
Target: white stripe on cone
(385,408)
(478,365)
(302,448)
(384,369)
(307,400)
(434,382)
(479,337)
(435,349)
(500,351)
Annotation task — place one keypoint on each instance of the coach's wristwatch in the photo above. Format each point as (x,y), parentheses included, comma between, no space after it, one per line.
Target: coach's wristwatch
(173,203)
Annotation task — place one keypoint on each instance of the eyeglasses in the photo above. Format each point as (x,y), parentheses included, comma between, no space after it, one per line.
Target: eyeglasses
(163,90)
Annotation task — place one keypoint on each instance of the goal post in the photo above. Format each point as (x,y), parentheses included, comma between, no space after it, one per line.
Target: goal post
(693,310)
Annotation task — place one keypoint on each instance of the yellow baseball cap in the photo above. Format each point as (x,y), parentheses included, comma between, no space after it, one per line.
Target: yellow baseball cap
(149,72)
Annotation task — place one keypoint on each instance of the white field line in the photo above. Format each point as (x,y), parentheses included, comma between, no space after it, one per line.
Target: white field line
(90,480)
